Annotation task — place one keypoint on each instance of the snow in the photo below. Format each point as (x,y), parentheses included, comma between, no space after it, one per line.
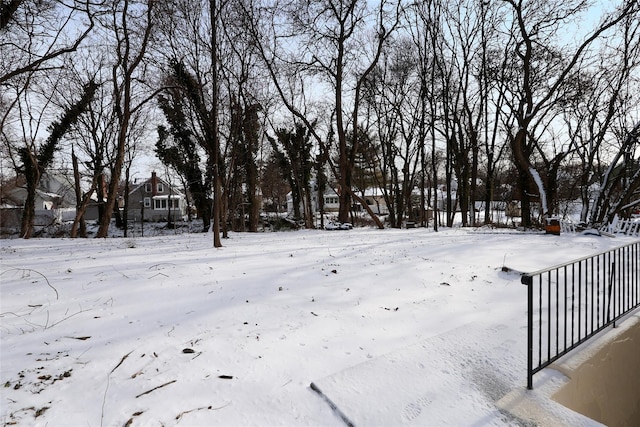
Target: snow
(541,190)
(394,327)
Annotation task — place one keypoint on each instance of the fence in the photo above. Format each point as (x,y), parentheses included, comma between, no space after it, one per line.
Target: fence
(630,227)
(572,302)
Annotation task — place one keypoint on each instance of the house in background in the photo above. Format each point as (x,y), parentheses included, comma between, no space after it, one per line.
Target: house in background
(55,200)
(330,197)
(55,191)
(374,197)
(154,199)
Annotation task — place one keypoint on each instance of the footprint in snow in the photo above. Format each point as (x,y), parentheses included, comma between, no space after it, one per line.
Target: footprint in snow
(414,409)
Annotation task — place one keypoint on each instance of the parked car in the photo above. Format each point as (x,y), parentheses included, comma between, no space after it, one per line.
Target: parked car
(334,225)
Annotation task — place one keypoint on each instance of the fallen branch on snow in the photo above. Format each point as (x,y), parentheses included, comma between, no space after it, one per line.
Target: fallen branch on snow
(155,388)
(29,270)
(104,398)
(209,408)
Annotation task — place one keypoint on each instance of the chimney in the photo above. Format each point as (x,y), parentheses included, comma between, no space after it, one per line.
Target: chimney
(154,184)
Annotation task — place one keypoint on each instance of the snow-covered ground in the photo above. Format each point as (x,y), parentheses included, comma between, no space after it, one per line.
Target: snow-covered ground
(393,326)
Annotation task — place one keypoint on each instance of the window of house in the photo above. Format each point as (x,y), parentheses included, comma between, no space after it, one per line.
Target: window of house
(147,188)
(174,204)
(160,204)
(147,202)
(332,200)
(160,187)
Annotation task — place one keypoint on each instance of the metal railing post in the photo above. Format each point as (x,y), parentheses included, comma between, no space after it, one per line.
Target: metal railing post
(528,281)
(610,296)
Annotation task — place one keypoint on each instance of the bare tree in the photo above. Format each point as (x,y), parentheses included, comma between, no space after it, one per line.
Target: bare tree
(37,33)
(36,38)
(598,108)
(495,71)
(131,24)
(91,138)
(465,90)
(427,32)
(214,12)
(620,186)
(392,102)
(34,159)
(536,23)
(339,42)
(243,83)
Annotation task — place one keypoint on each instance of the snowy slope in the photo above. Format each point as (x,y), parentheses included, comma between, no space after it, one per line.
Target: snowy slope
(169,331)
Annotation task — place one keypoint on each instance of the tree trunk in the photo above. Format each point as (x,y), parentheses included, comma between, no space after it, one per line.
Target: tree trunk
(125,210)
(81,203)
(28,213)
(217,172)
(525,201)
(112,191)
(521,161)
(488,197)
(474,178)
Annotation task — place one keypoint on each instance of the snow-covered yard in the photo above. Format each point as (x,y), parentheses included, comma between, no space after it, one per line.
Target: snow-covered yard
(393,326)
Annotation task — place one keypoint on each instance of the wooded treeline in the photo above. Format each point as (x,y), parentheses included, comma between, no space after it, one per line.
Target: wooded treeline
(438,104)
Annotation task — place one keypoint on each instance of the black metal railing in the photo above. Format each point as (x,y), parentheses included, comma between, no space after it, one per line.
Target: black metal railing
(572,302)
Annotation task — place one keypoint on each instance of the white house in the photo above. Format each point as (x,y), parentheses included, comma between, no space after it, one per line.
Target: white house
(373,197)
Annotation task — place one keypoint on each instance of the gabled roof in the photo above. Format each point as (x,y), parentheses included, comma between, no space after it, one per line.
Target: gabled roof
(146,181)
